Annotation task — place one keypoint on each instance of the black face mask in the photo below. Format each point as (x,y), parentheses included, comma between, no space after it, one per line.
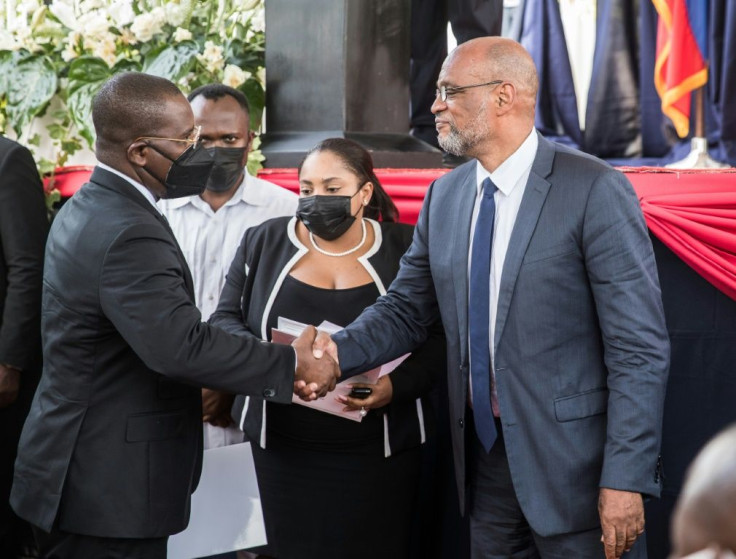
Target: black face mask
(328,217)
(228,168)
(188,173)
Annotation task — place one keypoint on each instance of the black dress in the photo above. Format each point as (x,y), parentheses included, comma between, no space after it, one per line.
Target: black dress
(326,488)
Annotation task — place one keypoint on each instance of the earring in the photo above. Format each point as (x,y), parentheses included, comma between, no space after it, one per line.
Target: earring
(365,202)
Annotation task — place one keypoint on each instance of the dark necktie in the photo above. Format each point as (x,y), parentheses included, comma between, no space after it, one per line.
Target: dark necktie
(479,317)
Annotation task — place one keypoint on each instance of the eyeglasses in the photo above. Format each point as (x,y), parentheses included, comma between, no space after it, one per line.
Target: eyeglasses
(193,138)
(443,91)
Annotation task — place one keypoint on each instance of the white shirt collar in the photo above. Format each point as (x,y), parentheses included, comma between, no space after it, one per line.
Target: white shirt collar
(507,174)
(148,195)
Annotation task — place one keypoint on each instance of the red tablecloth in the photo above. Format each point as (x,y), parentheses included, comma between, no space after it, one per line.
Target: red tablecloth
(692,212)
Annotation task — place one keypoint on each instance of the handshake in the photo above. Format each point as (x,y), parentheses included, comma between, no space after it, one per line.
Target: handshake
(317,367)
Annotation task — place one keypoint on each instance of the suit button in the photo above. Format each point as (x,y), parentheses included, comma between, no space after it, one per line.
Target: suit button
(461,423)
(269,393)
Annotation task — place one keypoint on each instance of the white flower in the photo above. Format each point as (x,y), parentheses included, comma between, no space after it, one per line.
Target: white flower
(7,42)
(181,35)
(212,57)
(245,5)
(29,5)
(69,53)
(102,46)
(121,12)
(127,37)
(258,21)
(234,76)
(145,26)
(159,16)
(70,49)
(64,13)
(175,13)
(89,5)
(94,24)
(261,75)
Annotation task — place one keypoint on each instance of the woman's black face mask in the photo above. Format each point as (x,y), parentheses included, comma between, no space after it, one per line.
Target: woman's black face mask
(327,217)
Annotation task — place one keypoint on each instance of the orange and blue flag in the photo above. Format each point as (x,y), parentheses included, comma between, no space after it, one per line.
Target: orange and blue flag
(682,57)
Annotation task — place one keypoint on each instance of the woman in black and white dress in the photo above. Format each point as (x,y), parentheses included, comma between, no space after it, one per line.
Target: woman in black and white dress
(331,487)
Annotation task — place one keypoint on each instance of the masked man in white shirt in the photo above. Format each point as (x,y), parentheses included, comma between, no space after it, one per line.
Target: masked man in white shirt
(209,226)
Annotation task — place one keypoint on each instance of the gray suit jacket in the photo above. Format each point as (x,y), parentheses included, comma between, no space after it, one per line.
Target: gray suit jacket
(581,348)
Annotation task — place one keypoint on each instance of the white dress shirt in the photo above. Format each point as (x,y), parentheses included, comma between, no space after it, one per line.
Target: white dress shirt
(209,241)
(510,177)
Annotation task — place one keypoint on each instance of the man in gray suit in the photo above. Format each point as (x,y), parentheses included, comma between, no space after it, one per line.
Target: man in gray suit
(538,260)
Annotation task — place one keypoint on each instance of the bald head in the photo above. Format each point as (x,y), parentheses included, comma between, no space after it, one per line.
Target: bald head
(503,59)
(706,509)
(130,105)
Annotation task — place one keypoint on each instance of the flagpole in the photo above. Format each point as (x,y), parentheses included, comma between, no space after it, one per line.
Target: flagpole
(698,157)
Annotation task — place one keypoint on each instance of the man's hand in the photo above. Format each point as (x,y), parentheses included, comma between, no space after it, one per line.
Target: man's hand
(324,344)
(216,407)
(622,520)
(314,377)
(9,385)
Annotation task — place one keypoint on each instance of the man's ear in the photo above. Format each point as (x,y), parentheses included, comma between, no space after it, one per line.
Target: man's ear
(137,153)
(506,97)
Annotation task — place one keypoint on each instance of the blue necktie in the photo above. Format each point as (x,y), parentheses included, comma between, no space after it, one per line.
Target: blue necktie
(479,317)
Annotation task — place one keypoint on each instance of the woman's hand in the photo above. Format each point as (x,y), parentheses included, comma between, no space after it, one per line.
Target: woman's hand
(383,392)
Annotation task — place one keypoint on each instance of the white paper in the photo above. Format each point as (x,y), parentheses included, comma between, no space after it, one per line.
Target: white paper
(226,507)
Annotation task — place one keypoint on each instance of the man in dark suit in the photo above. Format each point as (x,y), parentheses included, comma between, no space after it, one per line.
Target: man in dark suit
(111,450)
(538,260)
(23,229)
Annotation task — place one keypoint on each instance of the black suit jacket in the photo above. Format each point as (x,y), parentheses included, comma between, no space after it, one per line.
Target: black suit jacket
(23,229)
(112,445)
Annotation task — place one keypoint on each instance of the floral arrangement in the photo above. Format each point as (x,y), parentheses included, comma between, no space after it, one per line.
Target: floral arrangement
(54,56)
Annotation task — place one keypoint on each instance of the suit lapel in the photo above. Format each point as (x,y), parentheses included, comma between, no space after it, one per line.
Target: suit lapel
(537,188)
(468,190)
(111,181)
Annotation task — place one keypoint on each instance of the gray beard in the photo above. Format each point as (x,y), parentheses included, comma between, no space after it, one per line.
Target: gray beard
(453,143)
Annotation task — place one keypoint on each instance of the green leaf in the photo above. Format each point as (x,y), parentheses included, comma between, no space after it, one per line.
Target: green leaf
(71,145)
(86,76)
(6,65)
(85,70)
(56,131)
(33,85)
(34,140)
(253,90)
(125,65)
(45,166)
(80,107)
(172,62)
(52,198)
(244,55)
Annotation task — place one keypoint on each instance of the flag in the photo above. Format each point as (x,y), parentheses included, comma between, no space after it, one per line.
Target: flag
(682,57)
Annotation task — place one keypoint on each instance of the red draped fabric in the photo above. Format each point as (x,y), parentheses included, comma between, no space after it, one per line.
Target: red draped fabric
(692,212)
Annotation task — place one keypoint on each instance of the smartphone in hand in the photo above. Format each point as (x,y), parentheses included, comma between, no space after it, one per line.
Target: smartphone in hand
(360,392)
